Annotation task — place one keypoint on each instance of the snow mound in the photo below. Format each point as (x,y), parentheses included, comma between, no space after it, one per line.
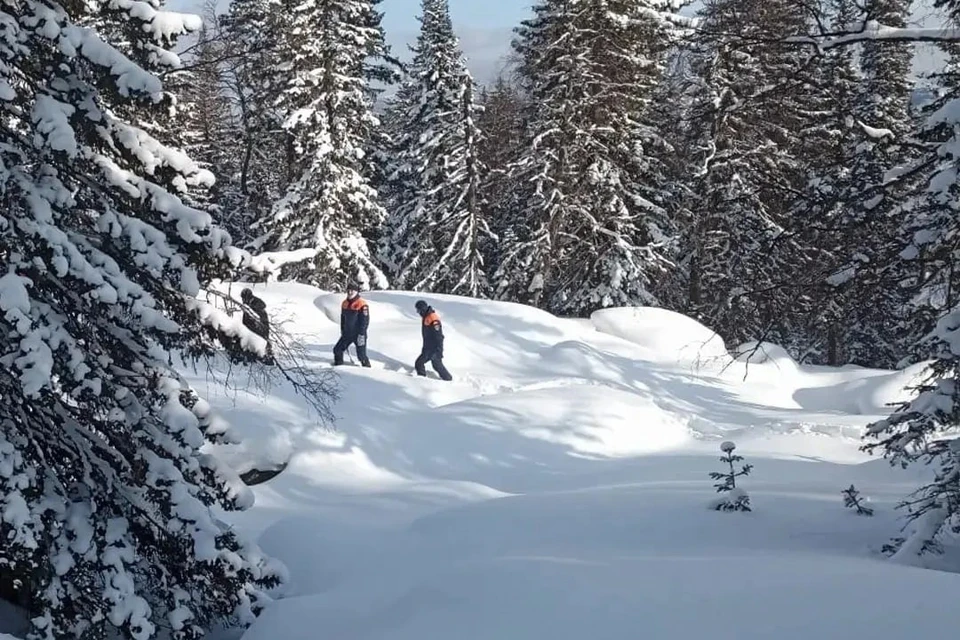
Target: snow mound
(862,391)
(771,357)
(609,364)
(585,420)
(891,390)
(666,336)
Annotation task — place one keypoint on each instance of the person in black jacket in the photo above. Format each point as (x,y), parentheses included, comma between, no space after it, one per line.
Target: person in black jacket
(255,318)
(432,350)
(354,320)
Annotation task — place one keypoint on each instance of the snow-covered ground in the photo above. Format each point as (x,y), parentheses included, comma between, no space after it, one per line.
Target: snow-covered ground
(558,487)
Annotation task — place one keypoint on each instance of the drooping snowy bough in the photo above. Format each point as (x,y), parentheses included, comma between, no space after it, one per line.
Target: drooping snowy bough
(105,497)
(925,429)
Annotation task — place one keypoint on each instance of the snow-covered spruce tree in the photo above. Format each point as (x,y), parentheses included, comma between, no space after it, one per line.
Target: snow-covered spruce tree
(329,51)
(853,500)
(877,291)
(673,97)
(210,129)
(927,429)
(106,497)
(522,236)
(930,233)
(437,226)
(381,72)
(735,498)
(252,72)
(501,123)
(750,109)
(593,227)
(815,221)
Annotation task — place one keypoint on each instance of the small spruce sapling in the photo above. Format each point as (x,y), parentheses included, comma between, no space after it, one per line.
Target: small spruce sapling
(853,500)
(736,499)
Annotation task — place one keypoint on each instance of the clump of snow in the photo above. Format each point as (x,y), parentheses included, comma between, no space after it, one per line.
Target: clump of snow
(14,298)
(667,336)
(876,133)
(130,78)
(163,25)
(7,92)
(274,261)
(730,500)
(52,119)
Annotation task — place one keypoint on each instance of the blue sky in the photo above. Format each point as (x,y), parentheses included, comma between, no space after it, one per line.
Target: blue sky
(484,26)
(473,14)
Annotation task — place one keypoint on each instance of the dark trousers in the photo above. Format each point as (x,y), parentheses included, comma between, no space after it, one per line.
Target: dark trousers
(436,361)
(344,343)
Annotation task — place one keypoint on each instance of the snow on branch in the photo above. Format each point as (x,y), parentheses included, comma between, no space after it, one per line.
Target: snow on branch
(162,25)
(875,133)
(229,325)
(871,30)
(273,261)
(130,77)
(866,31)
(153,154)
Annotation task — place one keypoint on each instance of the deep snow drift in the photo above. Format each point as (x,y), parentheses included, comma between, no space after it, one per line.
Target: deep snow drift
(558,487)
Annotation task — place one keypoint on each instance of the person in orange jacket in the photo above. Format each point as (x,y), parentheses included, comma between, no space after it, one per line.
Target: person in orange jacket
(354,321)
(432,350)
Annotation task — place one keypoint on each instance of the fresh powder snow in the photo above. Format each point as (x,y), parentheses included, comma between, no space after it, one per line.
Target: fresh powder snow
(558,487)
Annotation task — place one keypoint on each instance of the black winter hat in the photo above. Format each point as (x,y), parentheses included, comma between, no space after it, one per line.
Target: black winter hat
(421,306)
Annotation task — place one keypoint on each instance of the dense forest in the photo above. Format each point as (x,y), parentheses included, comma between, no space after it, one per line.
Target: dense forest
(623,157)
(777,186)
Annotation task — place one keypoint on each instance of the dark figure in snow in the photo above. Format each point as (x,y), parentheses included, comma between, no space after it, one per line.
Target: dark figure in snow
(255,314)
(432,351)
(354,320)
(255,318)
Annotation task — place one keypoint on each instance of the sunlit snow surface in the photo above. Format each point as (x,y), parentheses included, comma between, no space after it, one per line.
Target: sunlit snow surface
(558,487)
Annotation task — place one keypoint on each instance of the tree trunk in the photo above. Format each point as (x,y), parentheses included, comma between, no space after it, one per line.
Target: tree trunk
(833,345)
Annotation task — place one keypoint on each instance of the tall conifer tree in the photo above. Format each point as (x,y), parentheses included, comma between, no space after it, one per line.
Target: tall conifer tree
(329,212)
(107,499)
(437,225)
(588,230)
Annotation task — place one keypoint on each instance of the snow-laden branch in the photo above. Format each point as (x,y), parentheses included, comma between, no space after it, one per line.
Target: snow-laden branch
(271,262)
(162,25)
(874,132)
(867,31)
(871,30)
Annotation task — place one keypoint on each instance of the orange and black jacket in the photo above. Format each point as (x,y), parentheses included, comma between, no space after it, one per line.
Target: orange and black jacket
(432,332)
(354,318)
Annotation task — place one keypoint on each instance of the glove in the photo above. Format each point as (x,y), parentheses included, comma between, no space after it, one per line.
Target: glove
(361,341)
